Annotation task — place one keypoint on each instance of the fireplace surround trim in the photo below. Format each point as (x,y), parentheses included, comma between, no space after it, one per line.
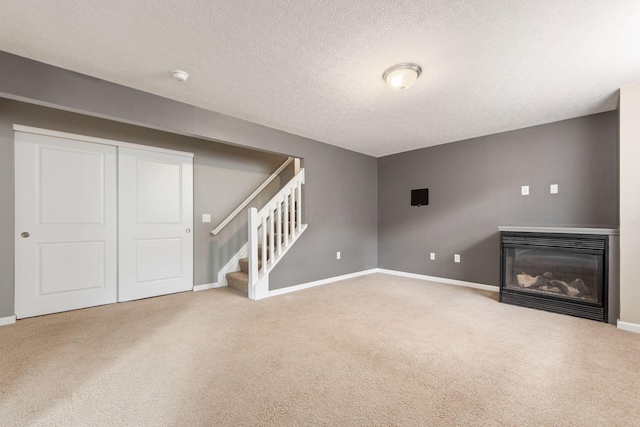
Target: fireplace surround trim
(612,268)
(559,230)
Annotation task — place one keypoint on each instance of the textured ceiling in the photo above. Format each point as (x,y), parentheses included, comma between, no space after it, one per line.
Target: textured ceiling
(313,68)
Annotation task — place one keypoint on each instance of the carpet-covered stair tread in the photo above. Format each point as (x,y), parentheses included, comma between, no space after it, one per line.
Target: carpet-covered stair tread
(244,265)
(239,281)
(260,252)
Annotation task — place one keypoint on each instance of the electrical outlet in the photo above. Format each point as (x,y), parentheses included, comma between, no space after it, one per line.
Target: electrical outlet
(553,188)
(337,255)
(456,258)
(525,190)
(432,256)
(206,217)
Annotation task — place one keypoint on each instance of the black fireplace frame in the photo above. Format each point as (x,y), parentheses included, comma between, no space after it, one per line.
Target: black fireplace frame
(594,244)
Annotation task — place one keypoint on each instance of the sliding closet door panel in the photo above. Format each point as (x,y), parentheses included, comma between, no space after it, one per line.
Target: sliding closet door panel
(156,218)
(66,224)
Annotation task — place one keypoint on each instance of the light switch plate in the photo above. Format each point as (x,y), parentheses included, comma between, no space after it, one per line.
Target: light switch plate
(525,190)
(206,217)
(432,256)
(553,188)
(337,255)
(456,258)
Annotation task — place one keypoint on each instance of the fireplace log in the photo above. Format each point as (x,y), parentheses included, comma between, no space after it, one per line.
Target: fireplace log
(565,288)
(579,285)
(528,281)
(525,280)
(541,281)
(549,288)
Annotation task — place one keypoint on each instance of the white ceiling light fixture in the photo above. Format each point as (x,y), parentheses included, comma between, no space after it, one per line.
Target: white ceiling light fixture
(180,75)
(402,76)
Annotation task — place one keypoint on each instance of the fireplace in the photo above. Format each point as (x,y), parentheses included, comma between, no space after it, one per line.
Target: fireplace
(559,272)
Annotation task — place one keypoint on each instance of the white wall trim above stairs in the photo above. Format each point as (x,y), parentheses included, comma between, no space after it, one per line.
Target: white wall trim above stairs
(631,327)
(491,288)
(7,320)
(206,286)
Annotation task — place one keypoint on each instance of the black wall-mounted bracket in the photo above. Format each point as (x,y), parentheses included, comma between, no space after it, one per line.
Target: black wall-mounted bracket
(420,197)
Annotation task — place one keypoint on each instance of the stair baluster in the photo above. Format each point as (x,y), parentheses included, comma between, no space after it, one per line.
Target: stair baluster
(292,212)
(299,203)
(286,221)
(279,226)
(263,250)
(272,238)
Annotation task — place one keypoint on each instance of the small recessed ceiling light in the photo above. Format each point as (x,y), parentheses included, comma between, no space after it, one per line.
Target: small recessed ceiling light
(402,76)
(180,75)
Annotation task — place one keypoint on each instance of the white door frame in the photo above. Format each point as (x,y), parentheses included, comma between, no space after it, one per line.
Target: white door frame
(84,138)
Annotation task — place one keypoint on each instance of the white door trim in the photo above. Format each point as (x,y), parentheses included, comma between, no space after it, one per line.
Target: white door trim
(85,138)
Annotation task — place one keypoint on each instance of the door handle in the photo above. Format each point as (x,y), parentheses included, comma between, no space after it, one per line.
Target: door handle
(188,230)
(24,234)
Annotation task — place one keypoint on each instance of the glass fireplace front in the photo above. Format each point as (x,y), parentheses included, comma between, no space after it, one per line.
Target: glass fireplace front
(560,273)
(566,274)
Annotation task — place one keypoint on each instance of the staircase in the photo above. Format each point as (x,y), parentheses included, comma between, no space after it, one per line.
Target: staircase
(276,226)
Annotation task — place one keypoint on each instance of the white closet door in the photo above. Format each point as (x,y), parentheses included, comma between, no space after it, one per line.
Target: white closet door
(156,218)
(65,225)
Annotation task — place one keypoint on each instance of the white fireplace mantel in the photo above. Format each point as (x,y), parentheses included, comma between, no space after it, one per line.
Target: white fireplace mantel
(566,230)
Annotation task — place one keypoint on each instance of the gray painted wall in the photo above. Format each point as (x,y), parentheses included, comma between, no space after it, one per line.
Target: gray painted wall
(340,195)
(474,187)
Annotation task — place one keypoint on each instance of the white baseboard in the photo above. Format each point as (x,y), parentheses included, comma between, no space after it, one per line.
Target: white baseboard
(308,285)
(631,327)
(206,286)
(302,286)
(261,289)
(484,287)
(7,320)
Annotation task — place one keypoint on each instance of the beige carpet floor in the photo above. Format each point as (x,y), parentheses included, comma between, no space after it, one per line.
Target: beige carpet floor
(375,351)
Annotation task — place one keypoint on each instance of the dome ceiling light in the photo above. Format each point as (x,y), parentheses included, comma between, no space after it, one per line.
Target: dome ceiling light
(402,76)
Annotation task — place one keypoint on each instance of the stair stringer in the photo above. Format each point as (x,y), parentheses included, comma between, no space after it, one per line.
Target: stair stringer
(232,265)
(260,290)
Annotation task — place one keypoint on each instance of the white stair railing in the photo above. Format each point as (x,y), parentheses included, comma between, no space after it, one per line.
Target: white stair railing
(275,227)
